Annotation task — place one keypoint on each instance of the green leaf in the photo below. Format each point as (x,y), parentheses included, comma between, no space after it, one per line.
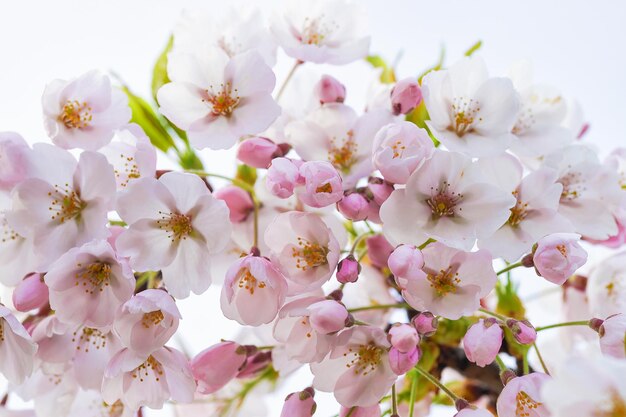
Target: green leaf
(159,72)
(419,116)
(189,160)
(509,304)
(388,75)
(474,48)
(247,174)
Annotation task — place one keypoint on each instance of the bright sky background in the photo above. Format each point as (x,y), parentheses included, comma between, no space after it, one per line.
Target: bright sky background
(575,45)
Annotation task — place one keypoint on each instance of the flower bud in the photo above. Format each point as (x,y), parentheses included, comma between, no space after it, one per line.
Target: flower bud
(400,362)
(30,294)
(523,331)
(348,270)
(299,404)
(328,316)
(258,152)
(380,189)
(406,261)
(557,256)
(371,411)
(322,184)
(255,363)
(403,337)
(405,96)
(238,201)
(613,336)
(329,90)
(354,206)
(282,177)
(482,342)
(217,365)
(425,323)
(378,250)
(473,411)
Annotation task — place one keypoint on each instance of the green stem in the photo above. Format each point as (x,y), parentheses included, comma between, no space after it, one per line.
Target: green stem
(351,411)
(394,400)
(508,268)
(428,242)
(543,364)
(358,240)
(289,76)
(494,314)
(525,366)
(379,307)
(501,364)
(267,347)
(567,323)
(412,397)
(117,223)
(437,383)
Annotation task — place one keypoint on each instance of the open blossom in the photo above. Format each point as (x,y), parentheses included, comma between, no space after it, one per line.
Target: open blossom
(139,381)
(535,213)
(522,395)
(65,203)
(470,112)
(322,184)
(451,283)
(84,112)
(613,336)
(217,100)
(217,365)
(147,321)
(283,176)
(335,133)
(587,387)
(399,148)
(304,248)
(606,286)
(17,350)
(358,370)
(17,257)
(482,342)
(175,225)
(446,199)
(13,167)
(558,256)
(253,291)
(325,31)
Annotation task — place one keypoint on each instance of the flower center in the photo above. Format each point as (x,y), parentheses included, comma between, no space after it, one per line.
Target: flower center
(8,234)
(114,410)
(615,407)
(150,365)
(66,204)
(519,212)
(153,318)
(465,111)
(129,171)
(444,282)
(443,202)
(397,148)
(249,283)
(224,102)
(572,186)
(525,404)
(75,115)
(177,225)
(343,157)
(316,30)
(562,249)
(525,120)
(94,277)
(326,188)
(366,358)
(309,255)
(89,337)
(305,323)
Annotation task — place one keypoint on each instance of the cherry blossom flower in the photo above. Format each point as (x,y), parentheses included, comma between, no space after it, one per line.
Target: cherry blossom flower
(64,204)
(329,90)
(470,112)
(354,206)
(175,225)
(558,256)
(348,270)
(446,199)
(30,294)
(425,323)
(84,112)
(258,152)
(283,176)
(304,248)
(147,321)
(238,200)
(217,100)
(606,287)
(482,342)
(253,292)
(13,154)
(322,32)
(215,366)
(17,350)
(406,95)
(451,283)
(522,395)
(358,370)
(299,404)
(322,184)
(17,256)
(613,336)
(139,381)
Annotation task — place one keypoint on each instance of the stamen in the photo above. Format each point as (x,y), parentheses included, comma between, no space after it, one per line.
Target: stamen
(94,277)
(8,234)
(1,330)
(398,148)
(444,281)
(326,188)
(309,254)
(573,186)
(153,318)
(75,115)
(66,203)
(366,358)
(343,157)
(615,407)
(443,202)
(519,212)
(114,410)
(249,283)
(525,404)
(465,112)
(316,30)
(224,101)
(150,365)
(130,170)
(178,225)
(89,338)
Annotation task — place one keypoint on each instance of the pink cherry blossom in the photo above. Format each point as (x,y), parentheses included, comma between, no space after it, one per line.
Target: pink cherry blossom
(165,374)
(606,286)
(558,256)
(406,261)
(348,270)
(403,362)
(299,404)
(399,148)
(451,283)
(175,225)
(403,337)
(322,184)
(17,257)
(482,342)
(304,248)
(522,395)
(217,100)
(30,294)
(327,316)
(523,331)
(17,350)
(84,112)
(258,152)
(425,323)
(613,336)
(446,199)
(371,411)
(329,90)
(406,95)
(473,412)
(253,292)
(238,200)
(88,284)
(354,206)
(358,370)
(378,250)
(215,366)
(283,176)
(13,153)
(147,321)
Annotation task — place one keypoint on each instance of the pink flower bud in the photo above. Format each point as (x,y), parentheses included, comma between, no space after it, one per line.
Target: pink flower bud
(482,342)
(327,316)
(354,206)
(258,152)
(299,404)
(613,336)
(405,96)
(217,365)
(406,261)
(425,323)
(282,177)
(348,270)
(371,411)
(523,331)
(401,362)
(329,90)
(472,411)
(558,256)
(30,294)
(254,364)
(380,189)
(322,184)
(238,201)
(378,250)
(403,337)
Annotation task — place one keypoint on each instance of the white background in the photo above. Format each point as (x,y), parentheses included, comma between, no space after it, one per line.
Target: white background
(575,45)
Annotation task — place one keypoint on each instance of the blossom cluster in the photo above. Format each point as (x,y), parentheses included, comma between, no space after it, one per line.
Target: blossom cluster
(375,248)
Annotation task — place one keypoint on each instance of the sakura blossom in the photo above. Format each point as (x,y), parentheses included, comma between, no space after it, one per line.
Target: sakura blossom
(17,349)
(523,395)
(558,256)
(215,366)
(613,336)
(482,342)
(13,167)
